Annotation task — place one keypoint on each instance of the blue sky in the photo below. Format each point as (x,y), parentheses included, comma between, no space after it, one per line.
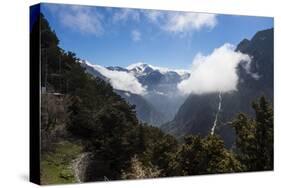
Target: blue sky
(120,37)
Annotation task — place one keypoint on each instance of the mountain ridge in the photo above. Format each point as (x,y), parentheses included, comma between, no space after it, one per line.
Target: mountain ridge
(188,119)
(158,102)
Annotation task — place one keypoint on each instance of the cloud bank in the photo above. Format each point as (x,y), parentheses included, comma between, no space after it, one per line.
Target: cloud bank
(215,72)
(121,80)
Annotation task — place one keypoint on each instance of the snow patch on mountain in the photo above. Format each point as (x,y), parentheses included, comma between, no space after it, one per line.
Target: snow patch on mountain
(140,68)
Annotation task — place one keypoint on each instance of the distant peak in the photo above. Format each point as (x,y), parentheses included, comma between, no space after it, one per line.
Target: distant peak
(135,65)
(245,41)
(243,45)
(263,34)
(260,37)
(140,66)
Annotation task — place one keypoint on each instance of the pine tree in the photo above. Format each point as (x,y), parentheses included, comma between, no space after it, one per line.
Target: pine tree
(206,156)
(254,137)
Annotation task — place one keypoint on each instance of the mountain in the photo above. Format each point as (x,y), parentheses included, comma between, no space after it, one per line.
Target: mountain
(198,113)
(117,68)
(161,84)
(140,69)
(91,70)
(160,101)
(145,111)
(166,75)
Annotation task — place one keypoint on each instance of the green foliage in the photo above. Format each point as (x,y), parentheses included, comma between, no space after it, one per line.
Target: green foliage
(158,149)
(104,121)
(205,156)
(254,137)
(50,52)
(48,36)
(56,165)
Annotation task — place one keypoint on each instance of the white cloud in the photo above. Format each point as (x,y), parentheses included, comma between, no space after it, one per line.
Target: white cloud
(90,21)
(186,22)
(79,18)
(181,22)
(153,15)
(136,35)
(125,14)
(164,70)
(121,80)
(215,72)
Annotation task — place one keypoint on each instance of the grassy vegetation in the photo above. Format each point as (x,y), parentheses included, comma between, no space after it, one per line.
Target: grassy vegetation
(56,166)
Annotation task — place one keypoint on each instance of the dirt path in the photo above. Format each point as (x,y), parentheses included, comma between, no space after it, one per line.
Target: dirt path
(79,166)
